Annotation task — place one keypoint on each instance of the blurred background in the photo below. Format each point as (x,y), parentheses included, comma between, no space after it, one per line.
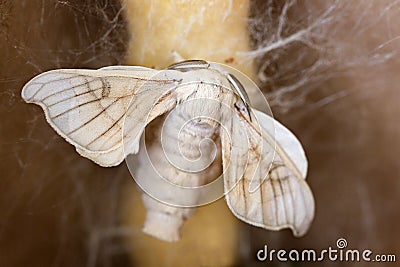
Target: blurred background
(330,70)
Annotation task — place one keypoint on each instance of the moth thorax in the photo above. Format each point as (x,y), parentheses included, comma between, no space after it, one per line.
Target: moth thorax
(189,144)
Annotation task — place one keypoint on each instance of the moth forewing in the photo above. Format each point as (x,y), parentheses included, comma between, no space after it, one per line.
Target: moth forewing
(281,198)
(87,107)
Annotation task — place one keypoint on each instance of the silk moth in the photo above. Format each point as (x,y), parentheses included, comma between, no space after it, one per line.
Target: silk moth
(262,164)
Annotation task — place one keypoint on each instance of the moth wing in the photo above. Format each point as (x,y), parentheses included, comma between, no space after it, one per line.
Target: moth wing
(88,107)
(264,178)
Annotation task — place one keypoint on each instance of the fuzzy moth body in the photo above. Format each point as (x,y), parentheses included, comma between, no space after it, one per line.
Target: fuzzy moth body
(166,147)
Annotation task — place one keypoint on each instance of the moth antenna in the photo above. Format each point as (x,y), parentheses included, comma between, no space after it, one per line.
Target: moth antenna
(189,65)
(239,88)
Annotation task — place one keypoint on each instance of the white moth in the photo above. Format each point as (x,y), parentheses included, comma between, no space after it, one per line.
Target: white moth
(264,165)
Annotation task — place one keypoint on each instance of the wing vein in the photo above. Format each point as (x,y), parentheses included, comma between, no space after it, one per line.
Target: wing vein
(275,203)
(43,84)
(66,90)
(104,132)
(93,118)
(75,95)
